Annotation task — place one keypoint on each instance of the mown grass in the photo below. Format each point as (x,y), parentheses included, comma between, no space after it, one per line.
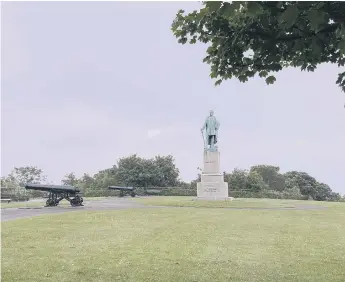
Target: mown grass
(171,244)
(239,203)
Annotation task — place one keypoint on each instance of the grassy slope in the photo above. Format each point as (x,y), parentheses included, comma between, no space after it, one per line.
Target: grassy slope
(244,203)
(177,245)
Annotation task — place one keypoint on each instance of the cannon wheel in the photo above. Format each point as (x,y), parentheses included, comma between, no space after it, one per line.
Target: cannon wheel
(132,194)
(76,201)
(51,203)
(121,193)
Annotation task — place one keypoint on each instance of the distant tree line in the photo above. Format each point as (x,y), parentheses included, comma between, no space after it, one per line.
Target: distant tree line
(267,181)
(160,176)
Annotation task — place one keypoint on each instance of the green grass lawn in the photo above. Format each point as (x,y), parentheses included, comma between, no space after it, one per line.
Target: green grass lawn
(243,203)
(170,244)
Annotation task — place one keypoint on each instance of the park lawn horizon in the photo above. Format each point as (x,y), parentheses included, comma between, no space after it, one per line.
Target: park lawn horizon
(173,244)
(187,201)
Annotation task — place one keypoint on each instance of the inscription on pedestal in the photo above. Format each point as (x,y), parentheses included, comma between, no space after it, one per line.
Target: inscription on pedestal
(211,187)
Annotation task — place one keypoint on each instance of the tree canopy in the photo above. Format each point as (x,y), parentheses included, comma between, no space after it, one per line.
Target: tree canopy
(292,184)
(160,173)
(156,172)
(14,182)
(262,37)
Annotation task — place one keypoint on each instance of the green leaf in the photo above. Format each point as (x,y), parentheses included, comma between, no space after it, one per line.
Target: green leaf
(206,59)
(210,49)
(341,77)
(342,29)
(263,73)
(236,4)
(218,82)
(213,75)
(254,8)
(182,40)
(213,5)
(202,13)
(298,45)
(311,68)
(341,46)
(341,62)
(228,10)
(316,18)
(242,78)
(276,67)
(228,76)
(250,73)
(320,5)
(290,15)
(316,47)
(270,80)
(338,33)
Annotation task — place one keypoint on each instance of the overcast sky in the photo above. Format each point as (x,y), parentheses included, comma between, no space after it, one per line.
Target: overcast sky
(85,83)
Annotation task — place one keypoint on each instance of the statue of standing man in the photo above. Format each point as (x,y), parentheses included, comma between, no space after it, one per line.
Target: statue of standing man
(211,127)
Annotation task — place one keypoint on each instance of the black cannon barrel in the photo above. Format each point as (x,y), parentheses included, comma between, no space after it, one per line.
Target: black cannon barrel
(121,188)
(52,188)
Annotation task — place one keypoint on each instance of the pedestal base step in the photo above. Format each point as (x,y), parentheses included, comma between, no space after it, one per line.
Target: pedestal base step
(213,199)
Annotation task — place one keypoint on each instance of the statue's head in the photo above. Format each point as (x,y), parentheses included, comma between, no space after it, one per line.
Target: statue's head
(211,113)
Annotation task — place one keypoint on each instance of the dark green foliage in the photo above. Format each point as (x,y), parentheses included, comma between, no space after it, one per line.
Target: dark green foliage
(266,181)
(70,179)
(28,174)
(159,176)
(255,182)
(271,176)
(129,171)
(15,194)
(165,171)
(246,39)
(237,180)
(157,172)
(20,176)
(193,183)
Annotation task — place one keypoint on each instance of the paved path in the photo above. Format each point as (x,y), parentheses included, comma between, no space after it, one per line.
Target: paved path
(106,204)
(116,204)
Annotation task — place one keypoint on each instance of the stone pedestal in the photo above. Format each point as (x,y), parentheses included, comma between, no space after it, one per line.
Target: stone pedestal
(212,183)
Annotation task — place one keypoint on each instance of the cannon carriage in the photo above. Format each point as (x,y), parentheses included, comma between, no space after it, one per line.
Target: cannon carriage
(59,192)
(124,190)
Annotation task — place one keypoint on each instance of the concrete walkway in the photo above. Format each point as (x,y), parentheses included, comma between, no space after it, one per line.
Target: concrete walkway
(104,204)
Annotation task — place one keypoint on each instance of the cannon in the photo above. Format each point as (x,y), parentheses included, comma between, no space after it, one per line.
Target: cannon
(57,193)
(124,190)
